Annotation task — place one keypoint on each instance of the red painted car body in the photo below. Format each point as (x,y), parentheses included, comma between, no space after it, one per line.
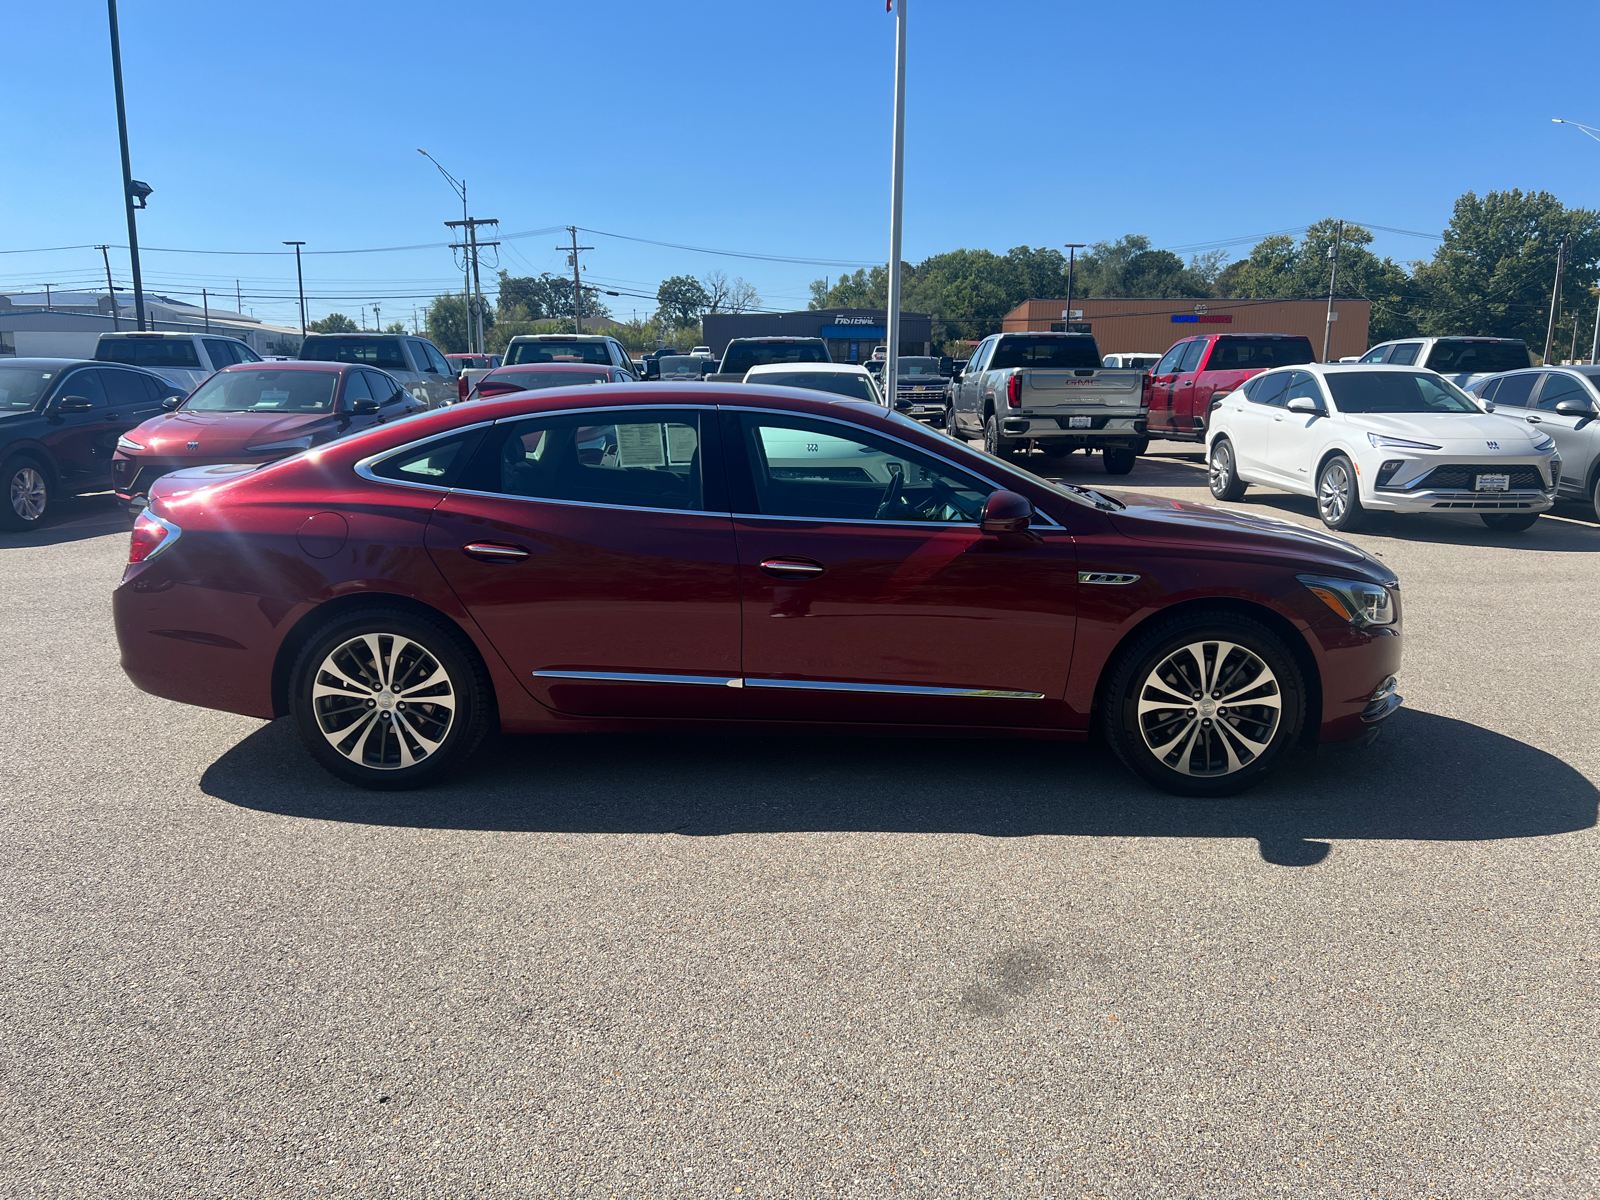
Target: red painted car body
(217,619)
(1182,385)
(189,437)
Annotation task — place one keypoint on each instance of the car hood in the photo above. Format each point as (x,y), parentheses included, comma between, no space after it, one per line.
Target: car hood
(1454,431)
(1159,519)
(226,433)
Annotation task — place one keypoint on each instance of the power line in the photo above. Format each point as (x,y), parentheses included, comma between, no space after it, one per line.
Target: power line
(807,262)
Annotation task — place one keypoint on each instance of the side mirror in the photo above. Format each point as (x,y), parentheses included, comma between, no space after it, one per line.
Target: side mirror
(1304,404)
(1575,408)
(171,402)
(1006,512)
(365,406)
(1488,405)
(73,404)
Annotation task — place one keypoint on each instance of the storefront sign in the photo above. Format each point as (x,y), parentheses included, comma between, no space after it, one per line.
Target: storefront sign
(853,331)
(856,320)
(1203,319)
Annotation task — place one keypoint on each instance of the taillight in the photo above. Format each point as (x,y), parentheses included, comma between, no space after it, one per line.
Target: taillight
(151,535)
(1149,387)
(487,388)
(461,387)
(1014,391)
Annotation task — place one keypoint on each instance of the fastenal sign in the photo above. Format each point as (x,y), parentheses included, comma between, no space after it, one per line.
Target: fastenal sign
(857,320)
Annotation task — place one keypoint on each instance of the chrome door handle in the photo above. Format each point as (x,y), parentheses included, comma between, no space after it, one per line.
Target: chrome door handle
(494,552)
(793,568)
(1534,420)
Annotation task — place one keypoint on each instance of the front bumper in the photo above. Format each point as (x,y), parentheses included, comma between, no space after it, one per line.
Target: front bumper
(1445,501)
(1443,484)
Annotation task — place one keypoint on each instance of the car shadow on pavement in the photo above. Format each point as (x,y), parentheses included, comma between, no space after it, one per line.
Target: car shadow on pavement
(73,519)
(1429,778)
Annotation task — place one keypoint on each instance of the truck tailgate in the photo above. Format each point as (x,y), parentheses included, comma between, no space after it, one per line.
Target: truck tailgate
(1083,391)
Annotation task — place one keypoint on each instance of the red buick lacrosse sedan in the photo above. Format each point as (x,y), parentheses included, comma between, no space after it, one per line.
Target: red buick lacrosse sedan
(739,558)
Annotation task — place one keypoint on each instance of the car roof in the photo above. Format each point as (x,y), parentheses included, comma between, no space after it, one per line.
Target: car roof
(562,337)
(792,337)
(164,333)
(1345,368)
(812,368)
(53,363)
(301,364)
(554,366)
(362,334)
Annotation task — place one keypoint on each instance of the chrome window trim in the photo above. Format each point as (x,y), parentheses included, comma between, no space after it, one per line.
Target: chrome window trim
(682,512)
(868,522)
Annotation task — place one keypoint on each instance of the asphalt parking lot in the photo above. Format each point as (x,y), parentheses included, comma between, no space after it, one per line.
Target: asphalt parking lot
(685,966)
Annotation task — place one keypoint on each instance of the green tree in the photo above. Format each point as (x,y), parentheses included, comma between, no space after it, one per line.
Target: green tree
(395,327)
(682,299)
(1493,274)
(333,323)
(449,325)
(543,297)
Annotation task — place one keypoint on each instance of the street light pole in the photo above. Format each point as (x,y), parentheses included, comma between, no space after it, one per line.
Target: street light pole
(1333,282)
(459,186)
(891,366)
(127,167)
(301,279)
(1072,262)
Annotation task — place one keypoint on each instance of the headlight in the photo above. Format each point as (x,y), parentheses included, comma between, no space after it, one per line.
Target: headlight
(1544,445)
(1381,442)
(127,443)
(1357,601)
(292,444)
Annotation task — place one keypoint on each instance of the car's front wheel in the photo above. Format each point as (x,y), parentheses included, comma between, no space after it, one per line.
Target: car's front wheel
(950,426)
(1204,704)
(387,700)
(1339,496)
(26,492)
(1509,522)
(1224,472)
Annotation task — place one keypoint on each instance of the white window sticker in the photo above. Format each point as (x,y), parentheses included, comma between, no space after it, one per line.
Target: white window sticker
(640,446)
(681,444)
(271,399)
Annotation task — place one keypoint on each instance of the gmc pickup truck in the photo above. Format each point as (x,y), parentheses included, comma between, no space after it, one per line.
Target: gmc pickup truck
(1049,388)
(743,353)
(1209,366)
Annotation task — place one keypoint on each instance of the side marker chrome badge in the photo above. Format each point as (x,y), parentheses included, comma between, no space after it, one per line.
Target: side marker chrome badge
(1110,578)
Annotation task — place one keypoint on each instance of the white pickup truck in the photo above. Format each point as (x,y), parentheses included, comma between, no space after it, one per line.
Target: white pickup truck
(1049,388)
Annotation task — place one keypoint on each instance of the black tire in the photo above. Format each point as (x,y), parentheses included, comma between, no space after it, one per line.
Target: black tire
(1118,462)
(1594,498)
(992,441)
(1055,451)
(1217,755)
(26,493)
(950,427)
(1224,472)
(1511,522)
(405,644)
(1339,496)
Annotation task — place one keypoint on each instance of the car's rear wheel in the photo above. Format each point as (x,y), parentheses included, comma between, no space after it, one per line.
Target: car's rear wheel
(1339,496)
(1224,472)
(384,699)
(1204,704)
(26,493)
(992,441)
(1509,522)
(1119,462)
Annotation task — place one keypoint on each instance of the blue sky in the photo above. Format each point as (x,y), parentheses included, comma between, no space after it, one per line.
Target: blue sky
(759,127)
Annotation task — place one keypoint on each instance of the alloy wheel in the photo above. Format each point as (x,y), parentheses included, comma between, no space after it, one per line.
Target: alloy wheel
(1333,493)
(29,495)
(1221,468)
(383,701)
(1209,709)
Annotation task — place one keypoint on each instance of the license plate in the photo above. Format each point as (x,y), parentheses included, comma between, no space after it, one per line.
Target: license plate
(1491,483)
(1080,422)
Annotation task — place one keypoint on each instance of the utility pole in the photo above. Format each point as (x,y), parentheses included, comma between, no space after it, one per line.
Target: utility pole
(469,249)
(47,304)
(577,286)
(1072,261)
(111,291)
(891,366)
(127,167)
(1594,346)
(1333,281)
(205,302)
(1555,297)
(300,276)
(238,296)
(377,317)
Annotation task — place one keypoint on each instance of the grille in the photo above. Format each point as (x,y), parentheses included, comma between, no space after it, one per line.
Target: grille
(1457,477)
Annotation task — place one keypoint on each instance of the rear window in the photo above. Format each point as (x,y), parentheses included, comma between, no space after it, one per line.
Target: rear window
(857,387)
(1064,353)
(152,352)
(535,378)
(1258,354)
(1478,358)
(369,352)
(741,356)
(919,366)
(540,352)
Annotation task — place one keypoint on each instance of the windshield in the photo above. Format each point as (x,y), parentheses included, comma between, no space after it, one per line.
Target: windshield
(1071,352)
(680,365)
(149,352)
(1396,392)
(843,383)
(1258,354)
(558,351)
(369,352)
(265,391)
(21,387)
(1478,358)
(741,356)
(920,366)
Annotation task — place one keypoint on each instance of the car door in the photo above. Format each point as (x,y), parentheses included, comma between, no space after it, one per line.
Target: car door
(1293,437)
(596,552)
(1576,438)
(1250,423)
(969,405)
(76,421)
(1183,389)
(132,398)
(869,592)
(1162,377)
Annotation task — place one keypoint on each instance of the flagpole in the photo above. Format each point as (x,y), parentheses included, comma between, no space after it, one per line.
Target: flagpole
(891,366)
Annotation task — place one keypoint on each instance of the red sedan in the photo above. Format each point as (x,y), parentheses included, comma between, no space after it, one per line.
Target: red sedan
(733,556)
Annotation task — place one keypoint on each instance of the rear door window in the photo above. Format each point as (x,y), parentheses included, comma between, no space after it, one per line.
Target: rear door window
(124,389)
(1258,354)
(221,353)
(1514,391)
(1405,354)
(149,352)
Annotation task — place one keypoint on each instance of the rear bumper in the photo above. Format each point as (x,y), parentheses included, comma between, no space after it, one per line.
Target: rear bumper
(1102,430)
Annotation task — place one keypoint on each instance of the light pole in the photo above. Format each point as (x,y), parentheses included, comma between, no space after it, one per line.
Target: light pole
(1072,261)
(1592,132)
(891,365)
(1333,282)
(459,186)
(301,278)
(133,192)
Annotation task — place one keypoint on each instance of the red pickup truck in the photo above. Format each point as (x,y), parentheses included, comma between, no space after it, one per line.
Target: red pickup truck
(1189,374)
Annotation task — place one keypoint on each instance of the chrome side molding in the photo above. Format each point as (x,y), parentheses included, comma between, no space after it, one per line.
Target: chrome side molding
(804,685)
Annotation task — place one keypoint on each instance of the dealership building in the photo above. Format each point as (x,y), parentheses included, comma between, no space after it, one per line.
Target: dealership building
(852,334)
(1152,326)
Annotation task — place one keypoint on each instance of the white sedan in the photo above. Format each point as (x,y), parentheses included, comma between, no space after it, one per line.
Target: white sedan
(1366,438)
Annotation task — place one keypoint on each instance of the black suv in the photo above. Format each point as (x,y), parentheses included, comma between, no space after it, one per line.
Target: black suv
(60,419)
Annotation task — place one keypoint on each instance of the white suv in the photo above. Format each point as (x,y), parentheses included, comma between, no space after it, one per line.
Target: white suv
(183,359)
(1461,360)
